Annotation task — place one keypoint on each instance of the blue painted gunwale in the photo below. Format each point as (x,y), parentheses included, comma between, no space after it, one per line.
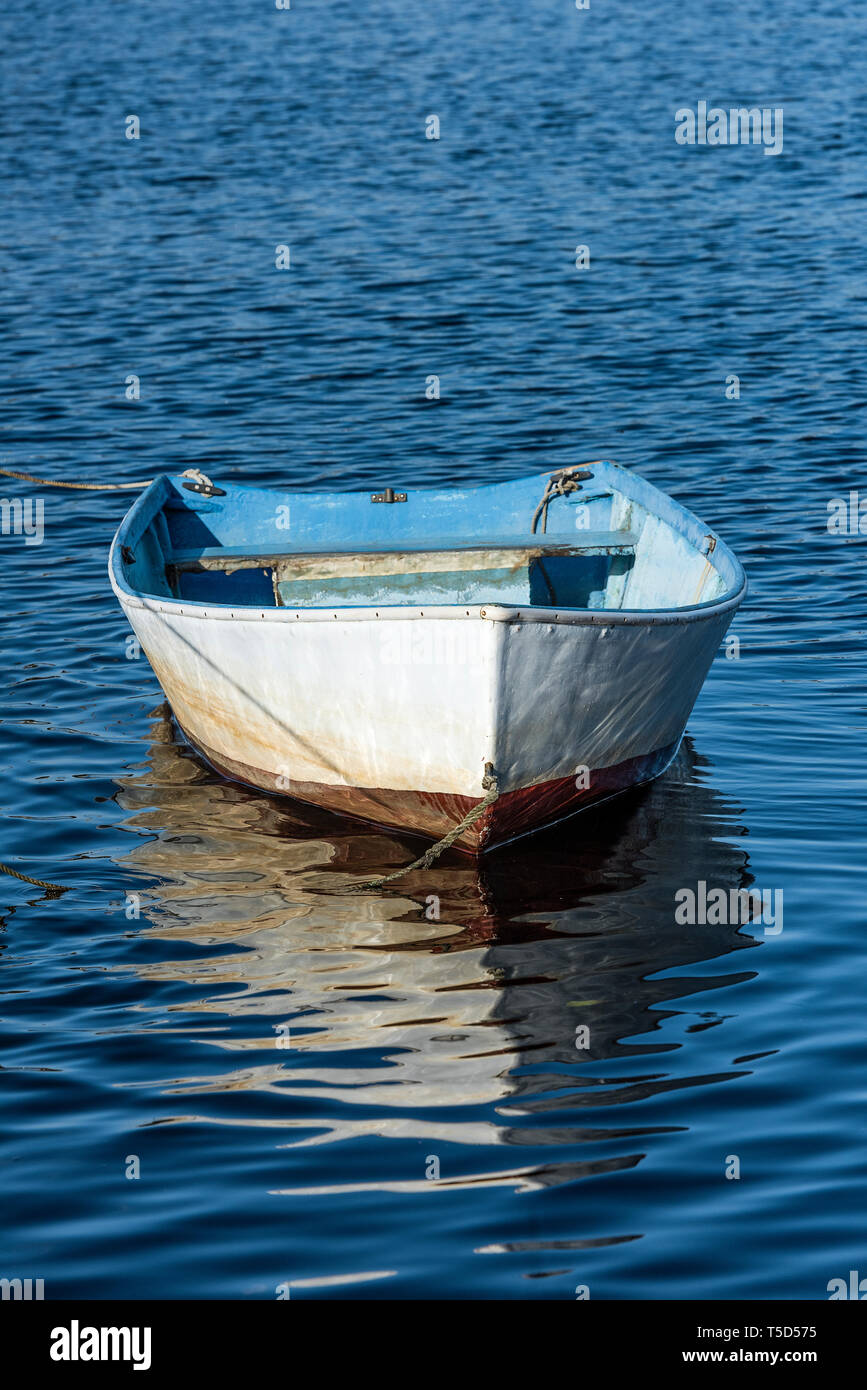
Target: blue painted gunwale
(246,515)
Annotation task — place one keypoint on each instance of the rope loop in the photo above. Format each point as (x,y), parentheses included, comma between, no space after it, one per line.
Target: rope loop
(560,484)
(200,482)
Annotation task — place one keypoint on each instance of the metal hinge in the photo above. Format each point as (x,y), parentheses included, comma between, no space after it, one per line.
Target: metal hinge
(388,496)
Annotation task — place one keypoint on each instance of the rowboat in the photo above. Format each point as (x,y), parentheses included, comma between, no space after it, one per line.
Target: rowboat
(503,655)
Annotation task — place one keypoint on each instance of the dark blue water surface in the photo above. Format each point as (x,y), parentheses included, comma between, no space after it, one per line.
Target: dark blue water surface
(301,1158)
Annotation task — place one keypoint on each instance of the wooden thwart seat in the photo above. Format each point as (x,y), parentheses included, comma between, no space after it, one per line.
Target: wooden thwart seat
(418,573)
(402,555)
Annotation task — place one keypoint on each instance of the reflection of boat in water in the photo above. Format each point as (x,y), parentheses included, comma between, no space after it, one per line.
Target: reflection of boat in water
(407,1012)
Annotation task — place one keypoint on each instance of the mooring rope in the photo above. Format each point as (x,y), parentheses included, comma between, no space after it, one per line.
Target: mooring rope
(425,860)
(195,473)
(81,487)
(39,882)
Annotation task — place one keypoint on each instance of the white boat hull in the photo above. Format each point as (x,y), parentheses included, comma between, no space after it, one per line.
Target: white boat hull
(394,717)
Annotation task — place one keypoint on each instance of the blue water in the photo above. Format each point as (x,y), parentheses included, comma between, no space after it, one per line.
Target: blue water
(270,1158)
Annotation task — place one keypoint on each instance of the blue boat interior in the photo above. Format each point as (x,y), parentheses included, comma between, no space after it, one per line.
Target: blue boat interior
(603,538)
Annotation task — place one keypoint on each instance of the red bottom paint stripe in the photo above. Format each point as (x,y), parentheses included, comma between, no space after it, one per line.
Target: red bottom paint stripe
(434,814)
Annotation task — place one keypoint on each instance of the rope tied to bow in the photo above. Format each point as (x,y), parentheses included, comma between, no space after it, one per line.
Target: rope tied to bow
(195,473)
(560,484)
(424,861)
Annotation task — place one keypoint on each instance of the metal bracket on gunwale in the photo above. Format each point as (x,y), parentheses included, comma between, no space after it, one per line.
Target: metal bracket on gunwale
(206,489)
(388,496)
(201,483)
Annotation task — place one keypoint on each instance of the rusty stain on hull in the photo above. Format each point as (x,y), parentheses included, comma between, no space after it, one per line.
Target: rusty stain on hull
(434,814)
